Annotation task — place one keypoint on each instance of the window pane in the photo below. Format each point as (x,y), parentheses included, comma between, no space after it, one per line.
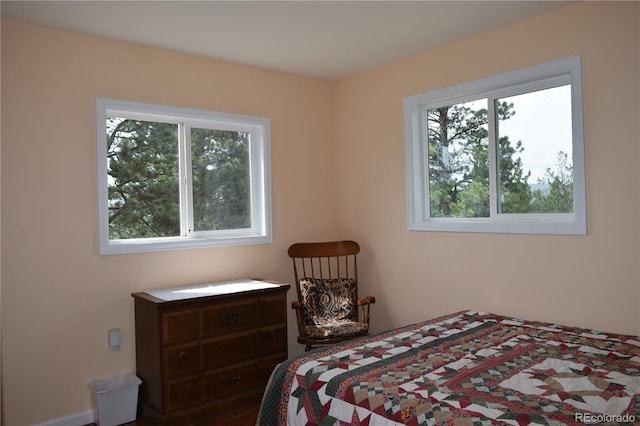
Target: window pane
(221,180)
(458,160)
(142,168)
(535,154)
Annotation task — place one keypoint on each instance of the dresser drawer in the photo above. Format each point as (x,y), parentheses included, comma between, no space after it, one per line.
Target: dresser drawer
(228,382)
(222,352)
(273,310)
(268,364)
(273,341)
(183,359)
(180,326)
(183,393)
(229,318)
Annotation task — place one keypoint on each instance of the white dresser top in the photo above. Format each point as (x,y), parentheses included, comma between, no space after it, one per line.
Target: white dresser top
(212,289)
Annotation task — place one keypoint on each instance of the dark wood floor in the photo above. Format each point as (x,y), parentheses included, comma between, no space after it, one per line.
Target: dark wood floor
(245,417)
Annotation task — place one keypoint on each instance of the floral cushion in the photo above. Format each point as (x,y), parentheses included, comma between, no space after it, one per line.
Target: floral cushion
(329,307)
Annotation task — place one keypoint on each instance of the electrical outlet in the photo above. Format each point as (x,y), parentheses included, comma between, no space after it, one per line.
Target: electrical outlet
(114,339)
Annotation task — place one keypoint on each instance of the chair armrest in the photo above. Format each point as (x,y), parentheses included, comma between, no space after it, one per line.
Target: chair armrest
(297,307)
(369,300)
(365,308)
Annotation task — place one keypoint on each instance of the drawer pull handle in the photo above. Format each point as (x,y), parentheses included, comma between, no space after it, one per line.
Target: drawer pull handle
(230,317)
(273,334)
(183,358)
(233,379)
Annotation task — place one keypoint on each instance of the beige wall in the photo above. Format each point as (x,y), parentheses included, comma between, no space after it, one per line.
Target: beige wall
(590,281)
(59,297)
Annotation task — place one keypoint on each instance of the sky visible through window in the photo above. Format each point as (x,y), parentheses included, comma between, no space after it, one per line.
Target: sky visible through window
(542,121)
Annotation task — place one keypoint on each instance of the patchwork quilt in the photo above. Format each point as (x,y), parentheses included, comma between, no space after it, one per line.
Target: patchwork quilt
(468,368)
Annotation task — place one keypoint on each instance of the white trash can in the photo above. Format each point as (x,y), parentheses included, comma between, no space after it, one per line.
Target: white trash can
(116,399)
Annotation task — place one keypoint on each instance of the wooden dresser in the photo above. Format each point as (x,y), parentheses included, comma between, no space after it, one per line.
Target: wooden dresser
(204,351)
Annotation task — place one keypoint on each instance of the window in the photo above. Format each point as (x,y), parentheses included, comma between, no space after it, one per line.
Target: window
(171,178)
(502,154)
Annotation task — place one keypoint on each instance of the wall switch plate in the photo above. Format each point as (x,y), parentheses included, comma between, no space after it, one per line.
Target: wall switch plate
(114,339)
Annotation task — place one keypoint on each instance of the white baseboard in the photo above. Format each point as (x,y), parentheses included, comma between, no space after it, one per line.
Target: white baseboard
(78,419)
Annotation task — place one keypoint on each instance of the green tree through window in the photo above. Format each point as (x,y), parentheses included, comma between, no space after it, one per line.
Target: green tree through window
(143,179)
(459,183)
(221,188)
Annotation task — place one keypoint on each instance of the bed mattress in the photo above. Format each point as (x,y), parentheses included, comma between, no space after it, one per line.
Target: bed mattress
(467,368)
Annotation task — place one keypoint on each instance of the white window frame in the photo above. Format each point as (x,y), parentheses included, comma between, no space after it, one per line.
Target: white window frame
(260,176)
(565,71)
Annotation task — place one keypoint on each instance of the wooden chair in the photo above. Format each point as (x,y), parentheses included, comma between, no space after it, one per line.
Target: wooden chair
(328,309)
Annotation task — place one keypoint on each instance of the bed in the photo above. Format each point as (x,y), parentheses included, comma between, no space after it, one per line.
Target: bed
(467,368)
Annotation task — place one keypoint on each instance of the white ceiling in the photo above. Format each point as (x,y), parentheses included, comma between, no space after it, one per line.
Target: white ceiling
(325,39)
